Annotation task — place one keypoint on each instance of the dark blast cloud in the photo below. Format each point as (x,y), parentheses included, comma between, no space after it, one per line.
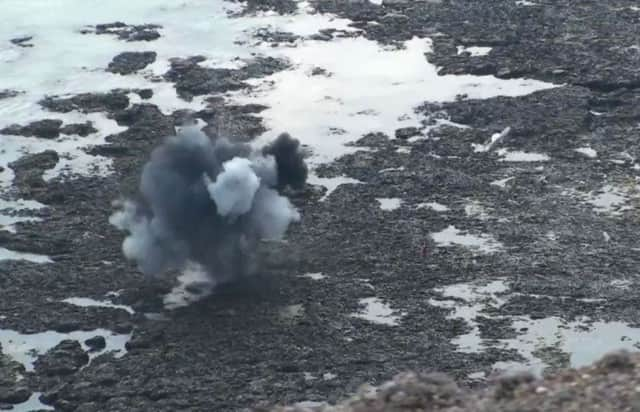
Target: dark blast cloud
(210,203)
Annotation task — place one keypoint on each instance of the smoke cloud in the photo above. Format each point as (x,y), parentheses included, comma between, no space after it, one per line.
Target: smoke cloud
(210,203)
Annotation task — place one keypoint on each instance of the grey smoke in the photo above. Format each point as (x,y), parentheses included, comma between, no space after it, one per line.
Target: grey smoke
(209,202)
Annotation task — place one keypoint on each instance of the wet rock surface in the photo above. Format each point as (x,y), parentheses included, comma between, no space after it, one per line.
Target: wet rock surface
(275,37)
(22,41)
(127,32)
(6,93)
(11,390)
(130,62)
(287,338)
(29,170)
(64,359)
(278,6)
(46,129)
(88,102)
(191,79)
(96,343)
(50,129)
(80,129)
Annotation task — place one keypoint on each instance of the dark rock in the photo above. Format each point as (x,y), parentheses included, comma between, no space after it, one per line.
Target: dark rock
(279,6)
(251,108)
(275,37)
(66,406)
(29,169)
(143,35)
(32,241)
(142,32)
(88,102)
(14,129)
(51,395)
(236,127)
(96,343)
(321,37)
(144,339)
(124,327)
(407,132)
(38,161)
(109,26)
(193,80)
(65,326)
(130,62)
(395,18)
(145,94)
(318,71)
(81,129)
(64,359)
(139,114)
(263,66)
(109,150)
(22,41)
(46,129)
(6,93)
(89,407)
(14,395)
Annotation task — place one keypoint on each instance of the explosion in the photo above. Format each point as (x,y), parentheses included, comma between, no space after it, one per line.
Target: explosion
(209,202)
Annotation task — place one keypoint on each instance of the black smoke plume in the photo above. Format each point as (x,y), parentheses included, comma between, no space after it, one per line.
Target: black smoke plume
(209,202)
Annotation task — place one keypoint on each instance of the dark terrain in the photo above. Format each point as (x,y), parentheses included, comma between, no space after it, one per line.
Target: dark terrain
(242,347)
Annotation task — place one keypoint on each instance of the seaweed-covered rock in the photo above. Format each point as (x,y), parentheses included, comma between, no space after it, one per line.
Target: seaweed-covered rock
(130,62)
(81,129)
(46,129)
(64,359)
(88,102)
(140,32)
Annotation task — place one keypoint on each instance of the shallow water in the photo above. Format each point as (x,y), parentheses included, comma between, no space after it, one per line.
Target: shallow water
(587,151)
(25,348)
(474,50)
(438,207)
(32,404)
(6,254)
(389,204)
(584,341)
(8,222)
(520,156)
(314,276)
(88,302)
(377,311)
(610,199)
(452,236)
